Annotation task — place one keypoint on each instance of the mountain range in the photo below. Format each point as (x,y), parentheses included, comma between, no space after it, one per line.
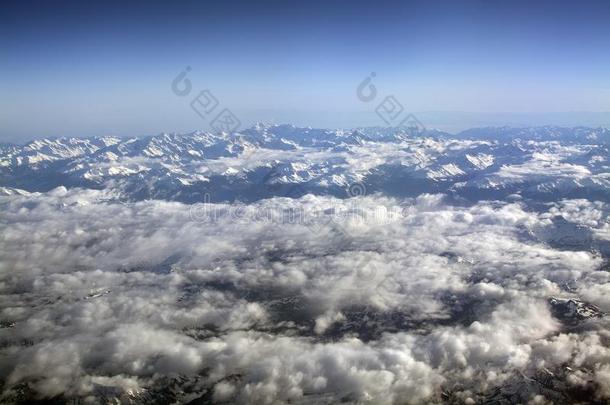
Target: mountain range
(542,164)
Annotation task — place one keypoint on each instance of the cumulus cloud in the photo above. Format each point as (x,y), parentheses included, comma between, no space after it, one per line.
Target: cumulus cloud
(365,299)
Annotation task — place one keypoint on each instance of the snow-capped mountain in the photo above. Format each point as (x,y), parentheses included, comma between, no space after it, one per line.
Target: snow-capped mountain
(271,160)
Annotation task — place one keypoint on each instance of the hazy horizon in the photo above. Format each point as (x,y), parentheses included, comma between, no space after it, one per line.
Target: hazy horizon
(452,122)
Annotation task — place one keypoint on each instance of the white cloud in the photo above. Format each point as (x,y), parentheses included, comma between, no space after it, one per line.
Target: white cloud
(115,295)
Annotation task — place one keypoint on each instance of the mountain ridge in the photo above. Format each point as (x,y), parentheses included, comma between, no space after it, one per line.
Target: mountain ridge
(481,163)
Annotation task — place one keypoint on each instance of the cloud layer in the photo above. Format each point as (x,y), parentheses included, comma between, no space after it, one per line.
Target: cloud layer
(364,299)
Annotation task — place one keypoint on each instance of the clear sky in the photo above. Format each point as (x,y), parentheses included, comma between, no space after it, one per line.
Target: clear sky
(94,68)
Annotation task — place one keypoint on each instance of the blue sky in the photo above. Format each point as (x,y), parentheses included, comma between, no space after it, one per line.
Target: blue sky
(76,69)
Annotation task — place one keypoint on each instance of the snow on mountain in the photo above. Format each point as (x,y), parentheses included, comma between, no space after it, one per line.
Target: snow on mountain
(7,191)
(481,160)
(573,310)
(445,171)
(249,165)
(47,150)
